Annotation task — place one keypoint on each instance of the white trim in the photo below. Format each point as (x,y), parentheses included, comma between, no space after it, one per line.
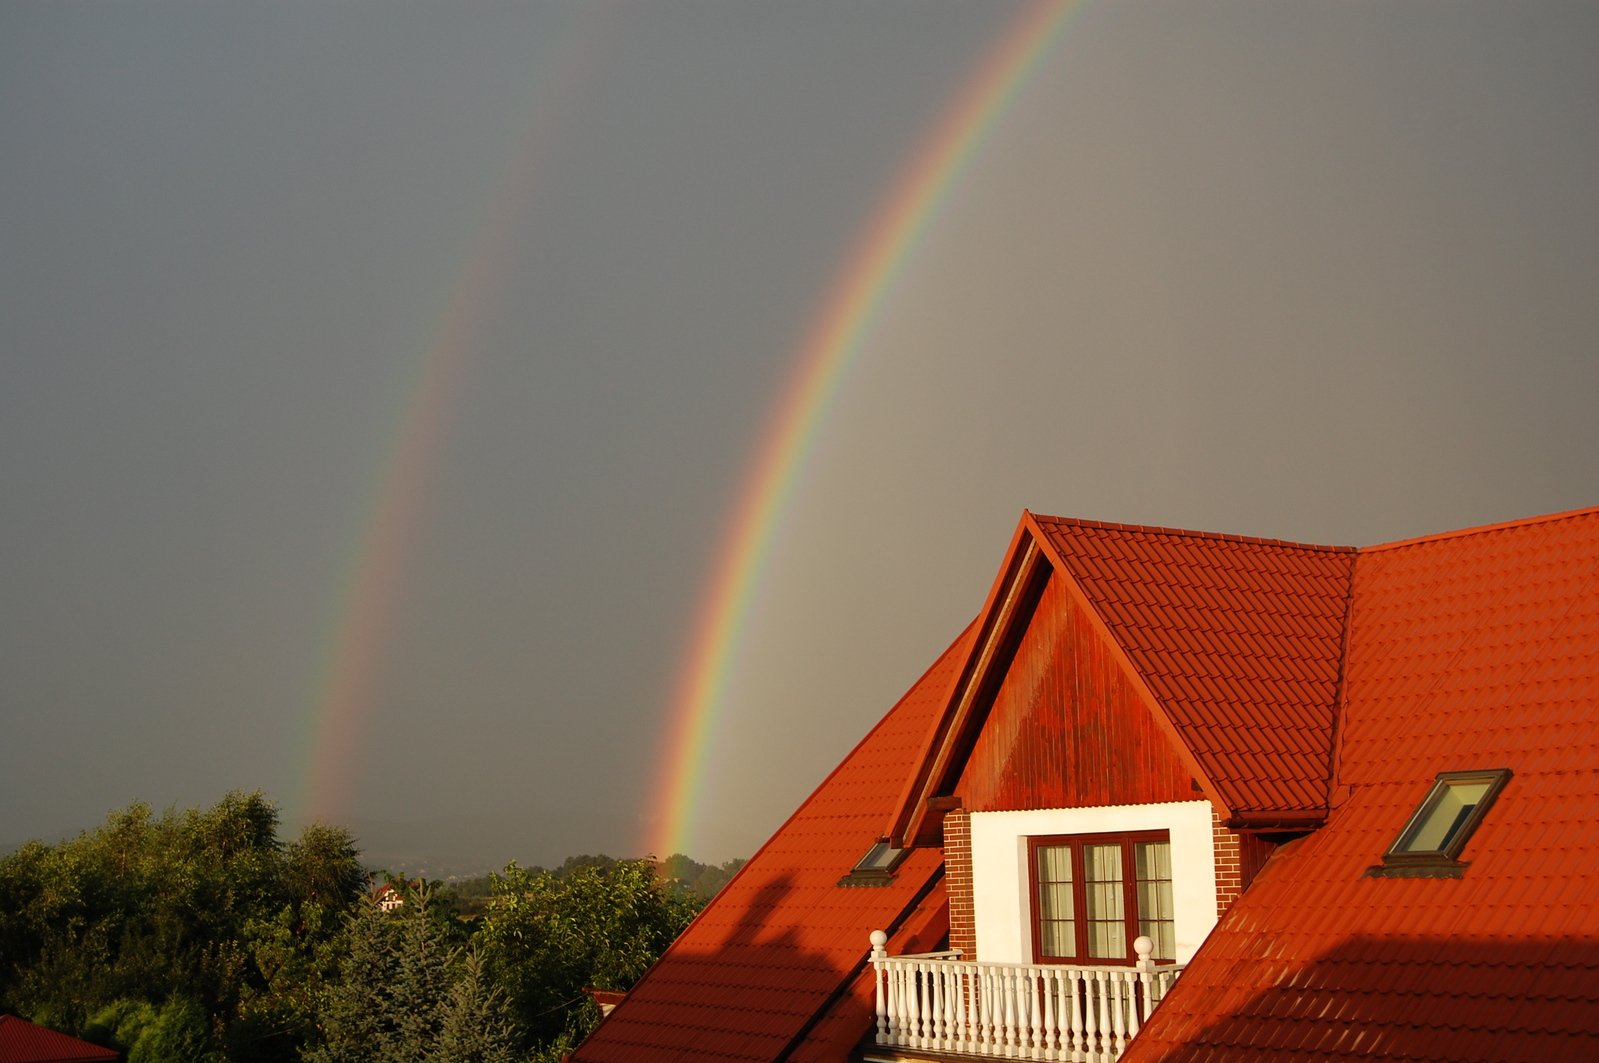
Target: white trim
(1002,907)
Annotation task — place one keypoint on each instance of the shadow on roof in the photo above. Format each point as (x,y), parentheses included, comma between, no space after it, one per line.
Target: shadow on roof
(1390,998)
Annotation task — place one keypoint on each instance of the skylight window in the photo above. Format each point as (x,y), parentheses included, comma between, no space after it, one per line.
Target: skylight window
(876,868)
(1432,840)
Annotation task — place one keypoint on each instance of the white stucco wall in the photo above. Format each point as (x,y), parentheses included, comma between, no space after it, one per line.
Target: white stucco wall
(999,869)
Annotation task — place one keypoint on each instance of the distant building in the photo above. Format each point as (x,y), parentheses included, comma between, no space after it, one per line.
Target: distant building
(1183,796)
(389,898)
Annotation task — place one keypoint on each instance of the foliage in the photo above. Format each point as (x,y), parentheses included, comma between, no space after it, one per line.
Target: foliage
(476,1026)
(179,1033)
(178,935)
(407,996)
(546,937)
(200,937)
(701,880)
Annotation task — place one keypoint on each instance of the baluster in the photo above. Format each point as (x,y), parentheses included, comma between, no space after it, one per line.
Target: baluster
(900,1019)
(917,1006)
(1013,1012)
(1035,1007)
(972,987)
(1099,1012)
(991,1010)
(952,996)
(1069,1022)
(960,1003)
(1119,986)
(919,987)
(1137,994)
(1052,1012)
(979,1009)
(880,980)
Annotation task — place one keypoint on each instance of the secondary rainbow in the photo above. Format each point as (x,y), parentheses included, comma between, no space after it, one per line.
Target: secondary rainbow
(819,367)
(340,706)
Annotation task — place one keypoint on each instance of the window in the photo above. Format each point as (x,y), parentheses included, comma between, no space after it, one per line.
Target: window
(876,868)
(1431,841)
(1094,893)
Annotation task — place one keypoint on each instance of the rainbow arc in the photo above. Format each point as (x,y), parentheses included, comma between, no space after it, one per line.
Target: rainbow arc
(820,365)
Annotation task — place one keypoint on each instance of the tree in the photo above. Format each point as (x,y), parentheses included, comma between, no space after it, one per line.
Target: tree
(477,1027)
(546,938)
(404,998)
(179,1033)
(199,924)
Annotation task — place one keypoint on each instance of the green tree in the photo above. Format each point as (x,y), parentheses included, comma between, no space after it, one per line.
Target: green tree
(404,998)
(357,1017)
(201,922)
(476,1026)
(545,938)
(178,1034)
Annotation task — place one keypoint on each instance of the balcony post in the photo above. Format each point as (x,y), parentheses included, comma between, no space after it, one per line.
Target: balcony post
(879,942)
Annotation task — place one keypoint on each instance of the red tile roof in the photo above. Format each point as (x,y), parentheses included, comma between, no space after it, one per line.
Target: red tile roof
(1467,651)
(1238,639)
(1319,682)
(1238,642)
(777,961)
(23,1042)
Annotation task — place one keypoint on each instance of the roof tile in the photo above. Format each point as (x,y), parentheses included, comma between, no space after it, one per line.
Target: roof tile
(763,960)
(1244,630)
(1469,650)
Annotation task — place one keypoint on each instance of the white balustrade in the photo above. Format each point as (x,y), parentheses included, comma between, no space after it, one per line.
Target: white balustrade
(938,1002)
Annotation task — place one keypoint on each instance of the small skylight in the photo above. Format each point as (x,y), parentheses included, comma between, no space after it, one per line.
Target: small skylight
(876,868)
(1432,840)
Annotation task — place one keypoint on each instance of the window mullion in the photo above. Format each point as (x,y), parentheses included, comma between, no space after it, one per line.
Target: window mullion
(1129,896)
(1080,899)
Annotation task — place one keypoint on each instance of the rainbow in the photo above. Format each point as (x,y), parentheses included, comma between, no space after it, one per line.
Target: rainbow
(822,357)
(340,706)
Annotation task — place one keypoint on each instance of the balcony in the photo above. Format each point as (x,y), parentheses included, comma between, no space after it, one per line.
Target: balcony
(935,1003)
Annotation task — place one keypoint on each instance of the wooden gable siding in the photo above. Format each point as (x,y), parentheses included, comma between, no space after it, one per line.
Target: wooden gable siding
(1066,727)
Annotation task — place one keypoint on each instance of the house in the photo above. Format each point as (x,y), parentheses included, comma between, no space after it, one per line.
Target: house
(388,897)
(23,1042)
(1187,796)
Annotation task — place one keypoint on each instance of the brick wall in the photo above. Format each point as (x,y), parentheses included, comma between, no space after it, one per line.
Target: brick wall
(958,882)
(1238,858)
(1229,865)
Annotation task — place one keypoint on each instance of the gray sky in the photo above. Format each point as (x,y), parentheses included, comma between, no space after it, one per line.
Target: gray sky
(1314,271)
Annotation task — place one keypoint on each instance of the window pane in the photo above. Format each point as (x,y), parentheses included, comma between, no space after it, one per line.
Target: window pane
(1107,926)
(1057,930)
(1154,860)
(1107,940)
(1055,863)
(1156,919)
(1441,821)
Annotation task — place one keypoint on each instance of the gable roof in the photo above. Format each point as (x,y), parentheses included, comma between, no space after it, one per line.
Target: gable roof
(775,966)
(1471,650)
(1306,685)
(1236,643)
(24,1042)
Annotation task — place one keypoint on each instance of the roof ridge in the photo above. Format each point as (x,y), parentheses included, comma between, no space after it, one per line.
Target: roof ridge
(1482,529)
(1192,533)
